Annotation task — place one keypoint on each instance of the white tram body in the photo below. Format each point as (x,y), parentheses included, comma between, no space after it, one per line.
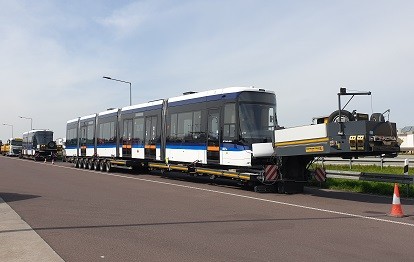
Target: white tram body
(216,127)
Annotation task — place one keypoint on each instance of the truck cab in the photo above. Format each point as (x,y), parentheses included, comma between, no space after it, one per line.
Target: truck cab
(13,147)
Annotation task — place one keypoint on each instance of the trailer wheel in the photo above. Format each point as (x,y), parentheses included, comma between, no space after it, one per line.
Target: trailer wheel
(76,163)
(91,164)
(97,165)
(85,164)
(377,117)
(108,166)
(346,116)
(102,165)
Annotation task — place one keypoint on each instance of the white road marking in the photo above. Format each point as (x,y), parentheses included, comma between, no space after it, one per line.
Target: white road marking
(248,197)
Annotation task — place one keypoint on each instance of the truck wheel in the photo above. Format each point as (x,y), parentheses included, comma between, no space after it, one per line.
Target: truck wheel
(346,116)
(76,163)
(377,117)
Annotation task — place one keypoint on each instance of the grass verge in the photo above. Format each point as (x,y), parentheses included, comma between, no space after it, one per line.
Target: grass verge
(368,187)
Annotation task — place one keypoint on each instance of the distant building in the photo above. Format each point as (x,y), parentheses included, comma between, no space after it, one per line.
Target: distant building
(406,134)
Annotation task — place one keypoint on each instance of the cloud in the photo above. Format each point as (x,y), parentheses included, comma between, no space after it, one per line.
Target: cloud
(128,19)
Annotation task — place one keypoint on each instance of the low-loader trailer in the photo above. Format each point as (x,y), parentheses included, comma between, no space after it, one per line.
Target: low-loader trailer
(221,138)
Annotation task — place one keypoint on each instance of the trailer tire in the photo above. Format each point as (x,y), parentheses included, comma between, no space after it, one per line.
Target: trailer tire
(102,165)
(345,115)
(108,166)
(76,163)
(91,164)
(377,117)
(85,163)
(97,165)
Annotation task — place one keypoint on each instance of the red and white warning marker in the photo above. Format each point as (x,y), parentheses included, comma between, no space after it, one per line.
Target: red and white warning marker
(320,174)
(271,173)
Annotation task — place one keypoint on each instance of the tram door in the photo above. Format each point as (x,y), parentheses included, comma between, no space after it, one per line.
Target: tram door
(127,138)
(150,137)
(83,137)
(213,136)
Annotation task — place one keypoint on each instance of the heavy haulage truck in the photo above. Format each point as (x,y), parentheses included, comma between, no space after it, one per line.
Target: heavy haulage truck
(225,133)
(13,147)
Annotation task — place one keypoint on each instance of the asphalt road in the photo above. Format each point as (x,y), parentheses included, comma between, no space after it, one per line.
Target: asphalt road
(93,216)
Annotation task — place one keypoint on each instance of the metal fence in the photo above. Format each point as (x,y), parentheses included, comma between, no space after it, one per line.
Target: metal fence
(380,161)
(402,178)
(391,178)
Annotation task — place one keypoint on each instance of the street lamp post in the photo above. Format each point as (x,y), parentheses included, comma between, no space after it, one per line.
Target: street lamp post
(130,89)
(11,127)
(31,121)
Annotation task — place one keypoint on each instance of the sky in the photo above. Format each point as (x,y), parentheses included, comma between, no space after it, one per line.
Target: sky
(54,54)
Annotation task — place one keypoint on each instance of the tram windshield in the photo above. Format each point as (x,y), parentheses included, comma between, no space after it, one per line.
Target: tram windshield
(258,119)
(43,137)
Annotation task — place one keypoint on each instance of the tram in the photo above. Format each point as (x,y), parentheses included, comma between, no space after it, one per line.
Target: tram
(229,127)
(39,145)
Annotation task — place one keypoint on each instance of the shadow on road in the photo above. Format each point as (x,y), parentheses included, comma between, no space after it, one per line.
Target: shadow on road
(11,197)
(358,197)
(183,223)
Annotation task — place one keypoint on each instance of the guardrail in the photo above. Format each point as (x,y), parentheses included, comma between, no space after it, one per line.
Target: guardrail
(381,161)
(391,178)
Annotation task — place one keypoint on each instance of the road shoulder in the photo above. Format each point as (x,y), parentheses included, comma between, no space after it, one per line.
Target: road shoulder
(19,242)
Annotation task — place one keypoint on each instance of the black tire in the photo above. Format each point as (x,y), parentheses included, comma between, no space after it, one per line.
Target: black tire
(91,164)
(102,165)
(85,164)
(76,163)
(346,116)
(97,165)
(108,166)
(377,117)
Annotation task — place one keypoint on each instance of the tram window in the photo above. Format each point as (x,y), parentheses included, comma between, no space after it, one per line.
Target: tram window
(271,118)
(186,126)
(151,129)
(71,137)
(229,128)
(174,123)
(89,134)
(139,129)
(185,122)
(106,132)
(197,124)
(127,135)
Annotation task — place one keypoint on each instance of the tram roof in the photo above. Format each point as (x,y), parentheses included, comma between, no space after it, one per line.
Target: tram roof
(144,105)
(222,91)
(37,130)
(107,112)
(87,117)
(73,120)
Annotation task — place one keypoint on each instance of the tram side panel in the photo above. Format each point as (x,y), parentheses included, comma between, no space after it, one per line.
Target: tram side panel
(140,131)
(186,131)
(87,126)
(72,141)
(106,134)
